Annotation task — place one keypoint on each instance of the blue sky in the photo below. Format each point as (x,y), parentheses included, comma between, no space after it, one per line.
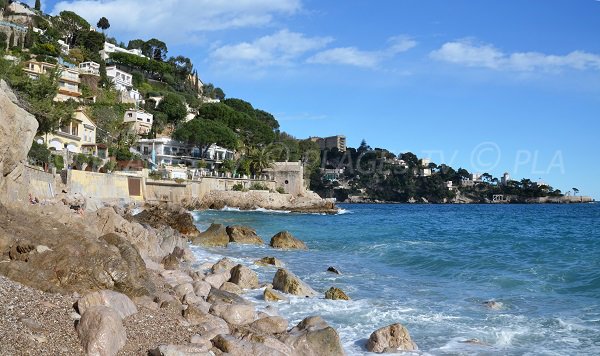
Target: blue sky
(498,85)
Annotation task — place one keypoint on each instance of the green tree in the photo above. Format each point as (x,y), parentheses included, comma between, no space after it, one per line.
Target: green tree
(266,118)
(219,94)
(103,24)
(3,41)
(29,37)
(203,133)
(136,44)
(155,49)
(260,159)
(173,107)
(69,23)
(94,41)
(39,154)
(240,105)
(38,5)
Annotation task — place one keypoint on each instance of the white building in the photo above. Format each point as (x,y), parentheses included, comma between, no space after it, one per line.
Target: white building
(142,120)
(505,179)
(122,80)
(91,68)
(111,48)
(64,47)
(172,152)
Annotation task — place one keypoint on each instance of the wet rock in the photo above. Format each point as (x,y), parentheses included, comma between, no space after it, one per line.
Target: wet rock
(333,270)
(244,277)
(271,295)
(101,331)
(269,261)
(288,282)
(336,294)
(313,336)
(243,235)
(220,296)
(120,303)
(231,288)
(285,240)
(392,338)
(214,236)
(223,265)
(492,304)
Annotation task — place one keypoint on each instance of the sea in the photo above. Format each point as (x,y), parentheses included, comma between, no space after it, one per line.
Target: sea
(432,268)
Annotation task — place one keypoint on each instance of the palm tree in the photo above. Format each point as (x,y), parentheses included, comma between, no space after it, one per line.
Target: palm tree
(103,24)
(575,191)
(260,160)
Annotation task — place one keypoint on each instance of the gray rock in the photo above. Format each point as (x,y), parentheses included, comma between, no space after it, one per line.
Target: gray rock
(101,331)
(312,337)
(183,289)
(201,288)
(216,280)
(235,347)
(270,325)
(231,288)
(269,261)
(234,314)
(220,296)
(288,282)
(244,277)
(390,339)
(117,301)
(224,264)
(215,236)
(182,350)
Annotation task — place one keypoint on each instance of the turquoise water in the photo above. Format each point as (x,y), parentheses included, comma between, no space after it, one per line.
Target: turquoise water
(431,267)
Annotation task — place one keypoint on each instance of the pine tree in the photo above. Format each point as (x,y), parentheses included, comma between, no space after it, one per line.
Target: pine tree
(11,41)
(38,5)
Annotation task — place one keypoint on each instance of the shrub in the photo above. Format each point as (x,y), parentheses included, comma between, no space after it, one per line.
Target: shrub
(58,162)
(156,175)
(280,190)
(179,180)
(39,154)
(258,186)
(239,187)
(110,166)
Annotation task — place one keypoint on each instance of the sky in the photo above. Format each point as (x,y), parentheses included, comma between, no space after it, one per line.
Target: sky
(492,86)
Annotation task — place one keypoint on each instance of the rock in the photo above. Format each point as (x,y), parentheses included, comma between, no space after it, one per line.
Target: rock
(201,340)
(336,294)
(17,130)
(215,236)
(217,279)
(101,331)
(234,314)
(173,216)
(244,277)
(270,325)
(269,261)
(32,324)
(288,282)
(285,240)
(170,304)
(231,288)
(391,339)
(220,296)
(201,288)
(333,270)
(42,249)
(494,305)
(273,296)
(172,260)
(223,265)
(108,298)
(191,298)
(235,347)
(183,289)
(146,302)
(243,235)
(208,325)
(182,350)
(176,277)
(312,337)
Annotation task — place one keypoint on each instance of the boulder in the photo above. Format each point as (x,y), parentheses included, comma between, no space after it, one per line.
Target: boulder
(224,264)
(182,350)
(390,339)
(288,282)
(183,289)
(285,240)
(270,325)
(17,130)
(215,236)
(176,277)
(201,288)
(244,277)
(269,261)
(235,347)
(231,288)
(234,314)
(101,331)
(120,303)
(271,295)
(243,235)
(312,337)
(172,260)
(217,279)
(221,296)
(168,215)
(336,294)
(208,325)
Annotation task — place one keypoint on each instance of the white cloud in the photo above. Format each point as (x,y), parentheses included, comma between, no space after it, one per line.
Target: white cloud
(346,55)
(177,20)
(467,53)
(279,49)
(367,59)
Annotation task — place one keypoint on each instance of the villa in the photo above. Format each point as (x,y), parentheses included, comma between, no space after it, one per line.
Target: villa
(122,80)
(170,152)
(91,68)
(142,120)
(68,80)
(111,48)
(76,136)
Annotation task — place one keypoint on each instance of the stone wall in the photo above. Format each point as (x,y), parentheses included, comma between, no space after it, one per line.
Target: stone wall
(289,176)
(104,186)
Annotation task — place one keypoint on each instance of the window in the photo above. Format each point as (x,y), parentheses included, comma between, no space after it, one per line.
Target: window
(130,115)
